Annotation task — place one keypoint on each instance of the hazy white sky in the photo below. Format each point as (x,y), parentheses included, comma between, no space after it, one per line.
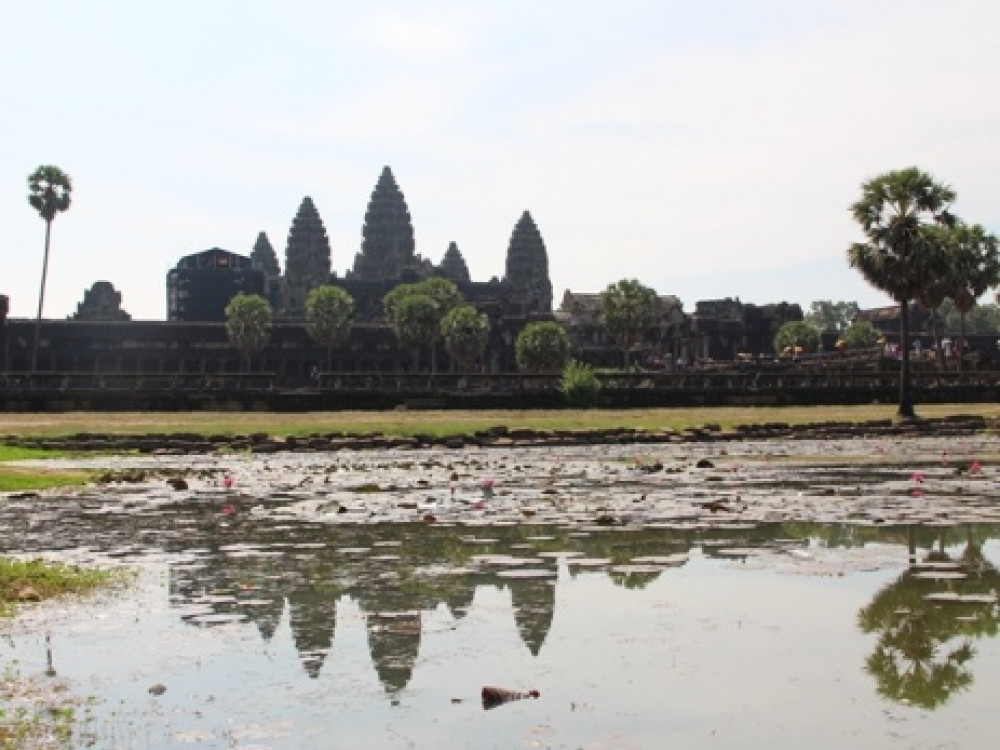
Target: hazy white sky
(709,149)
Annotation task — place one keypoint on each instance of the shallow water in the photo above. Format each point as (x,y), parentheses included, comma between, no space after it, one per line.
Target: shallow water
(274,621)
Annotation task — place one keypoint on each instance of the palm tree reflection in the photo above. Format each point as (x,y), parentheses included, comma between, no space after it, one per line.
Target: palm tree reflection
(927,621)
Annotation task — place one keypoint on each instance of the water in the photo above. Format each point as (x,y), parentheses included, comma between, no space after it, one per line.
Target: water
(278,623)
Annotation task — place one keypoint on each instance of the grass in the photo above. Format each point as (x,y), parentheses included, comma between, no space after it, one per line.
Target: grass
(22,580)
(23,479)
(440,423)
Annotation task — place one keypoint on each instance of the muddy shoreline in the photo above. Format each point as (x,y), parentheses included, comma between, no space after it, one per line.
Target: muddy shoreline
(500,436)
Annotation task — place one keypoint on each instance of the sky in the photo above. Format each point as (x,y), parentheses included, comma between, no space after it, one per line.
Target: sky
(707,149)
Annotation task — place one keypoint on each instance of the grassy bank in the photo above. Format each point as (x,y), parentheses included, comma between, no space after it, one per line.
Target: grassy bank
(450,422)
(20,479)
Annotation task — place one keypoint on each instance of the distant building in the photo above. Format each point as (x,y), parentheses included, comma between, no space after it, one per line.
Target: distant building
(201,285)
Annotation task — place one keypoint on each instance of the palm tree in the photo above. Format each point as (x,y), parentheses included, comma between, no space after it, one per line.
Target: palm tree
(976,267)
(896,212)
(48,193)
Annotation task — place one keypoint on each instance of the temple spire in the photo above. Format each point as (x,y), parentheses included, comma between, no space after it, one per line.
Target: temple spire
(387,245)
(453,265)
(527,272)
(307,258)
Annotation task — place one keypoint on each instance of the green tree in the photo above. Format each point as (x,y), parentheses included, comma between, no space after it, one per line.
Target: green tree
(466,332)
(248,323)
(976,268)
(542,347)
(796,334)
(627,311)
(579,384)
(425,329)
(861,334)
(49,191)
(896,211)
(827,315)
(416,323)
(328,315)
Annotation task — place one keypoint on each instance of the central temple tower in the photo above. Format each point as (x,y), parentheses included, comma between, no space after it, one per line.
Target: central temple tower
(387,246)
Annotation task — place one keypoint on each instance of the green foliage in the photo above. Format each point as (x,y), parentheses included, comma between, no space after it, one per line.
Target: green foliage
(627,311)
(796,334)
(21,479)
(49,190)
(415,312)
(860,335)
(248,323)
(579,384)
(542,347)
(328,314)
(982,319)
(897,212)
(466,332)
(45,579)
(975,265)
(900,214)
(416,320)
(827,315)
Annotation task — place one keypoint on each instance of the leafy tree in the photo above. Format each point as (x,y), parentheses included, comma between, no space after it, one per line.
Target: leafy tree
(49,191)
(827,315)
(442,296)
(416,323)
(976,267)
(465,331)
(248,323)
(328,315)
(860,335)
(896,211)
(579,384)
(542,347)
(627,311)
(796,334)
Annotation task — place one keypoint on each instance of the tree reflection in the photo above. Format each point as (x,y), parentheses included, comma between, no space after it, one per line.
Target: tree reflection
(927,620)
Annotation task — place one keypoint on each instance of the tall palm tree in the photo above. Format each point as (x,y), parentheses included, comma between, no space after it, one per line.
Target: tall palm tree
(897,212)
(48,193)
(976,268)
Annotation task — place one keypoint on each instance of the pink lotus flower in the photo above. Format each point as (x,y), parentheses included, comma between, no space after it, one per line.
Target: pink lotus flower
(918,477)
(229,509)
(975,468)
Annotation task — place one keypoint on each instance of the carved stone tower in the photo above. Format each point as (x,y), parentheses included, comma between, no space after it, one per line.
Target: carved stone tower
(387,246)
(264,258)
(527,272)
(307,259)
(453,265)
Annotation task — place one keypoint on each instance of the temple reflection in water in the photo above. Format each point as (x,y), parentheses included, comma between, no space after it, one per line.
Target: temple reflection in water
(927,620)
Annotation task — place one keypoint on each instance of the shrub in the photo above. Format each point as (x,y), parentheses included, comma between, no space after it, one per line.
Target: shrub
(579,384)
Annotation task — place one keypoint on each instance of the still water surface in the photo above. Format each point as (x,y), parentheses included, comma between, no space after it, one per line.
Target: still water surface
(293,634)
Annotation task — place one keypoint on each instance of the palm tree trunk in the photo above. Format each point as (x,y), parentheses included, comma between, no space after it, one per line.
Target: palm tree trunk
(905,410)
(41,297)
(961,340)
(937,341)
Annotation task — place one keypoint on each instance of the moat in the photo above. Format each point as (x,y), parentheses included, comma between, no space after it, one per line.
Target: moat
(757,594)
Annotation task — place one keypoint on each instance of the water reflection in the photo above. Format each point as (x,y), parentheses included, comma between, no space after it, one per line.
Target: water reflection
(928,619)
(226,568)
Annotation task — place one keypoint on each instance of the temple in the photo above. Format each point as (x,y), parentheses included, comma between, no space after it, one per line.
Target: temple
(200,286)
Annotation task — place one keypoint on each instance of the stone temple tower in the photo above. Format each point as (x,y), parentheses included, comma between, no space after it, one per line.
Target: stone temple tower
(527,272)
(307,259)
(453,265)
(387,246)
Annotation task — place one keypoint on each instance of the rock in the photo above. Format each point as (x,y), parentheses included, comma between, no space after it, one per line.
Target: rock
(157,689)
(497,696)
